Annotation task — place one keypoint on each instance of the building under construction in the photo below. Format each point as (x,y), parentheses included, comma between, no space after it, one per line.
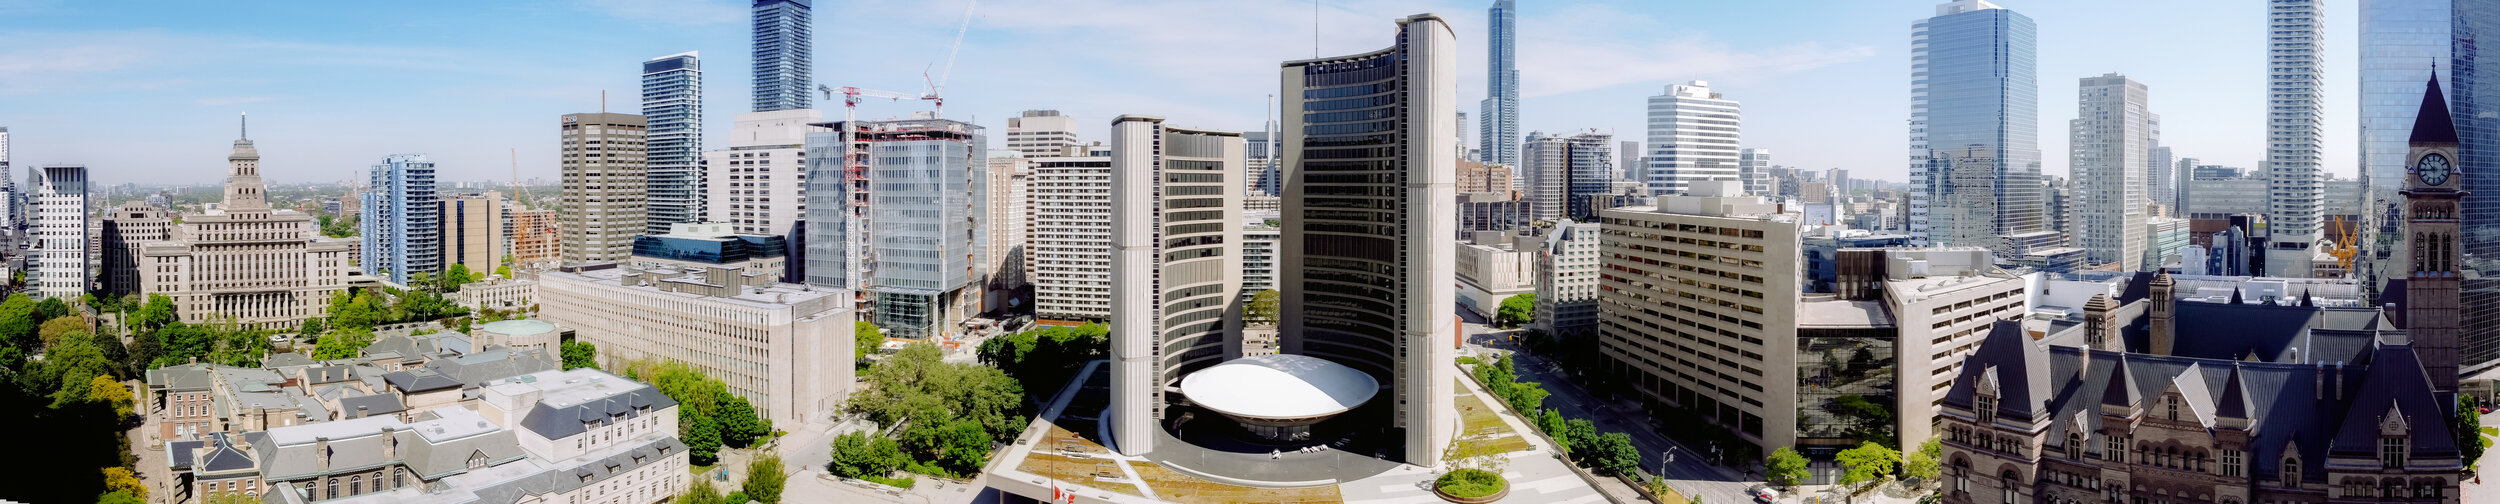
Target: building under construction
(894,213)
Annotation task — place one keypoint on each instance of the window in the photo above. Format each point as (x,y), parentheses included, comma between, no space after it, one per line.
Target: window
(355,485)
(2074,445)
(2012,493)
(2230,462)
(2114,448)
(1986,407)
(2174,407)
(2291,471)
(1961,475)
(2391,452)
(334,489)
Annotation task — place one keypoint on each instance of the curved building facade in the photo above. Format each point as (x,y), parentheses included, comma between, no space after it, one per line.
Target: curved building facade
(1176,250)
(1370,201)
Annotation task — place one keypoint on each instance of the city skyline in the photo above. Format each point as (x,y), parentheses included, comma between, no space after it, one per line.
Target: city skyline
(1582,65)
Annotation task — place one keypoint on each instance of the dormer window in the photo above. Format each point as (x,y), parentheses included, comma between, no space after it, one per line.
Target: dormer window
(2291,471)
(2391,452)
(2174,407)
(1985,406)
(2074,445)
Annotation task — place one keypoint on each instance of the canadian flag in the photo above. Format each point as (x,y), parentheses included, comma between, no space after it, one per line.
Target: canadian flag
(1062,495)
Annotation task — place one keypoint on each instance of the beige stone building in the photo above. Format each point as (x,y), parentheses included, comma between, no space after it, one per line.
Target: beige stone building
(604,165)
(244,262)
(127,229)
(473,231)
(787,347)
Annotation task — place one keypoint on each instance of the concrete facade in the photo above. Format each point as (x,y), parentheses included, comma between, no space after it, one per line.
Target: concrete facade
(2296,116)
(783,346)
(1175,237)
(1071,249)
(402,227)
(245,262)
(1566,266)
(473,231)
(1693,136)
(759,184)
(59,232)
(606,185)
(126,230)
(2114,134)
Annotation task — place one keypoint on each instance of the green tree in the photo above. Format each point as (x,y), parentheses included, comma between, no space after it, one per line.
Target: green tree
(739,426)
(868,338)
(155,314)
(580,354)
(345,343)
(122,480)
(1925,464)
(2469,430)
(456,276)
(765,479)
(1867,463)
(1517,310)
(51,308)
(861,454)
(57,326)
(1616,455)
(1262,308)
(18,323)
(702,436)
(967,447)
(1552,423)
(73,366)
(702,492)
(1787,468)
(505,270)
(1583,439)
(120,497)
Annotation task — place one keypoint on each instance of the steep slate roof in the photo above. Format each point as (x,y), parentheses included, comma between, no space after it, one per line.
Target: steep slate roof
(2268,333)
(2395,380)
(590,472)
(289,359)
(2431,123)
(187,377)
(2022,384)
(554,421)
(223,458)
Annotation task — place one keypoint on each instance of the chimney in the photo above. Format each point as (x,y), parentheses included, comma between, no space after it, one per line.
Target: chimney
(321,453)
(2339,380)
(2164,334)
(390,442)
(2100,323)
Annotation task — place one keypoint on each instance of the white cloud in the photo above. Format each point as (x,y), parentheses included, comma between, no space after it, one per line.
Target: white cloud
(676,12)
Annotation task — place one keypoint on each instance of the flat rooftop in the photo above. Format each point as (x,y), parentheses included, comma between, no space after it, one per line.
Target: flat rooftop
(775,295)
(1833,312)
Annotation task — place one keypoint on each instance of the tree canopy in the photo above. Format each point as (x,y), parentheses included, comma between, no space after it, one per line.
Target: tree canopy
(1262,308)
(1787,468)
(1517,310)
(1869,462)
(951,413)
(579,354)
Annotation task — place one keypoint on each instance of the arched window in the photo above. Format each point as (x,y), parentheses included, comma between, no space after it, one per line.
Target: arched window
(2009,482)
(1961,475)
(2074,445)
(355,485)
(2291,471)
(333,493)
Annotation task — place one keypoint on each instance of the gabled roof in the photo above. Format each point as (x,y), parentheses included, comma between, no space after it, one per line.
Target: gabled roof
(370,405)
(223,457)
(554,421)
(2431,123)
(2396,377)
(495,363)
(2233,402)
(2021,372)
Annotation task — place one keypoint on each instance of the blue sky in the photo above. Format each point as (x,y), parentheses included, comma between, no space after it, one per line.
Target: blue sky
(148,91)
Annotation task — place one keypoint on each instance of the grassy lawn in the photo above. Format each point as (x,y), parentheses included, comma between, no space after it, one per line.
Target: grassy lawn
(1475,417)
(698,469)
(1174,486)
(1071,469)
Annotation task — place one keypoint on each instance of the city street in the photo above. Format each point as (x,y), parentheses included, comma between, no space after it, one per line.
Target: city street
(1689,475)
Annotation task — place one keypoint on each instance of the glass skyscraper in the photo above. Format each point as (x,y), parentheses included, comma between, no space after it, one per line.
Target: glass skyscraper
(1975,98)
(402,224)
(891,206)
(2403,44)
(1499,133)
(672,99)
(782,60)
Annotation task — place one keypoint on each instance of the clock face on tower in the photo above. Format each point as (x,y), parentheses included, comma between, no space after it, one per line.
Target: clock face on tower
(2433,168)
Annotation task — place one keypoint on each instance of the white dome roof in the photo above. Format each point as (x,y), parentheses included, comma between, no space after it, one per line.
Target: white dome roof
(1279,387)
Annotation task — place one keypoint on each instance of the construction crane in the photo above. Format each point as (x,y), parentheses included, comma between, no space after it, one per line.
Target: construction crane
(936,87)
(2345,249)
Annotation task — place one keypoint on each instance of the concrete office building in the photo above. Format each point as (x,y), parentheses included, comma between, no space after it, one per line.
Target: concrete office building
(1259,238)
(1176,256)
(1492,267)
(473,231)
(783,346)
(1009,229)
(2397,39)
(2160,185)
(1753,166)
(1693,136)
(1566,280)
(759,184)
(244,262)
(784,58)
(1259,162)
(1724,334)
(605,185)
(1042,133)
(1567,177)
(127,229)
(402,225)
(1388,312)
(1499,135)
(2164,237)
(2295,93)
(1071,250)
(2112,137)
(901,236)
(672,100)
(1975,126)
(12,197)
(59,232)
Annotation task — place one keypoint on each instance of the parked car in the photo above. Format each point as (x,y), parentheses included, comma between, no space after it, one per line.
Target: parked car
(1763,494)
